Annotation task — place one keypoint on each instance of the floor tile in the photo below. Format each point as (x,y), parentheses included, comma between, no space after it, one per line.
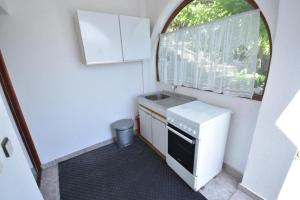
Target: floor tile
(50,183)
(239,195)
(222,187)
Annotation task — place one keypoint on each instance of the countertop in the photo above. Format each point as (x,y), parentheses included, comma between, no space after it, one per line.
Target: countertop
(161,106)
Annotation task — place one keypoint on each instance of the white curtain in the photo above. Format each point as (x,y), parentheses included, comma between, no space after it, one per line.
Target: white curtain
(220,56)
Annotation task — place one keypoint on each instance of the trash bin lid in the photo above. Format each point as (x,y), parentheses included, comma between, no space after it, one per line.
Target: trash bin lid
(123,124)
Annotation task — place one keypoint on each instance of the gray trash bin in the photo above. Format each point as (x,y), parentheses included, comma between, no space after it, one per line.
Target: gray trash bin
(124,131)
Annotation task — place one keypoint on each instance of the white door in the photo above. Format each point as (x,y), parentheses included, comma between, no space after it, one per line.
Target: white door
(145,122)
(16,179)
(160,134)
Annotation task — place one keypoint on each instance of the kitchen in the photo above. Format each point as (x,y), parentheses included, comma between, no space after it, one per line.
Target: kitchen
(41,45)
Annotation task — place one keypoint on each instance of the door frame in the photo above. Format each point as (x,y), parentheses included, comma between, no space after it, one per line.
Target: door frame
(18,116)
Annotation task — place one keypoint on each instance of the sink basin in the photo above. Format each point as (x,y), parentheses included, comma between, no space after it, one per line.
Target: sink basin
(156,97)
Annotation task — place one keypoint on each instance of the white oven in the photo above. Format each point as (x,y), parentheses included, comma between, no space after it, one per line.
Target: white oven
(197,135)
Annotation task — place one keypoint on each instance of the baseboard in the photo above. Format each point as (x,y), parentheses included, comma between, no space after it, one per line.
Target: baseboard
(82,151)
(250,193)
(233,172)
(77,153)
(239,176)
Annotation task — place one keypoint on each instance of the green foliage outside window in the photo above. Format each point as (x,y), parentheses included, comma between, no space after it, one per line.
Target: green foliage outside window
(202,11)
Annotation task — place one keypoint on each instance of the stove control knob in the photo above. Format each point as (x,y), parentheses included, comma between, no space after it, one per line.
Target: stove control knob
(180,124)
(184,127)
(194,132)
(168,119)
(189,129)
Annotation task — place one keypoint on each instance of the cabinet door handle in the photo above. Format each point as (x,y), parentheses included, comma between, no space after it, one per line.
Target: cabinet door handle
(7,147)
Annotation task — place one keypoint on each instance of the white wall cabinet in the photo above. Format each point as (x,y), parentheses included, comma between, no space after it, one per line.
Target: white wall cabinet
(101,40)
(135,33)
(154,130)
(145,122)
(108,38)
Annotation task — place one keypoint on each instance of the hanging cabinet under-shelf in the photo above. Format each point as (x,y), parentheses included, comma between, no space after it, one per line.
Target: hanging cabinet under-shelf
(108,38)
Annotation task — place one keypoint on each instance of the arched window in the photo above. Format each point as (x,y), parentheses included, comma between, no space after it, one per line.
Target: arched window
(195,12)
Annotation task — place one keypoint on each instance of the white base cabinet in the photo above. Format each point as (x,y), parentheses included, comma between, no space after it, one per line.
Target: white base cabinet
(145,122)
(154,130)
(159,134)
(100,35)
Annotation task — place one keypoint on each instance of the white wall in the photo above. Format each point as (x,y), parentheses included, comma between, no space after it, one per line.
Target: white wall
(245,111)
(290,188)
(154,9)
(68,106)
(271,151)
(3,7)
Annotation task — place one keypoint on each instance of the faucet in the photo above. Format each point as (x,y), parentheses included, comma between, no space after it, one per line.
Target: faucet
(173,87)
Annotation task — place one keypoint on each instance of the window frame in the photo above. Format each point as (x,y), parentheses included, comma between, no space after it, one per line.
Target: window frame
(183,4)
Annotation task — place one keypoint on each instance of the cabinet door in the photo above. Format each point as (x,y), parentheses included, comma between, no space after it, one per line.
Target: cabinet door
(135,32)
(100,34)
(160,134)
(145,122)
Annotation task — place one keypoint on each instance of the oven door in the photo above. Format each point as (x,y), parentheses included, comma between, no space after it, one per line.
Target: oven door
(181,147)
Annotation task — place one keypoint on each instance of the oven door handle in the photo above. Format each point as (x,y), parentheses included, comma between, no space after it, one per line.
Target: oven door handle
(180,135)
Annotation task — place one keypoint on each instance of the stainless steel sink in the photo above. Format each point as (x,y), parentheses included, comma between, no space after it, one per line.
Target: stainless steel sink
(156,97)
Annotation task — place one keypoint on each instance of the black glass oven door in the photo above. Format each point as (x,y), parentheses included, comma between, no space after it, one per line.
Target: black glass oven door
(181,147)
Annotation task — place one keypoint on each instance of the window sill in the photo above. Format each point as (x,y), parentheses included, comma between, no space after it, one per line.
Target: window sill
(255,97)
